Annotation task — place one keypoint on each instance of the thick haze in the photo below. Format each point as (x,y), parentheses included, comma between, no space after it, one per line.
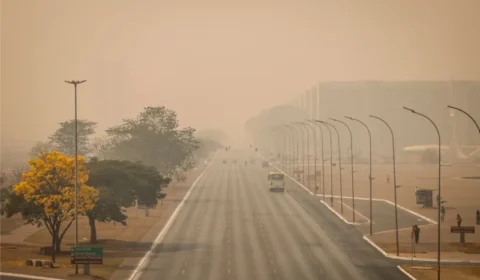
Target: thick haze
(216,63)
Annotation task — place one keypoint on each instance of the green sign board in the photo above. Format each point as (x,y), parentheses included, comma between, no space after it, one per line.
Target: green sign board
(86,255)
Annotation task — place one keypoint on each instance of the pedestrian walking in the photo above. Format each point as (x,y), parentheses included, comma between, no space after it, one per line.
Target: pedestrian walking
(443,210)
(459,220)
(478,217)
(416,233)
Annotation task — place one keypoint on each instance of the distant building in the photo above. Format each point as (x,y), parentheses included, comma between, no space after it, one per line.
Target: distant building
(386,99)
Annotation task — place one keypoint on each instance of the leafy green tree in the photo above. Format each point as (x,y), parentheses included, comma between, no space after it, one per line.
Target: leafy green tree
(155,139)
(120,185)
(64,137)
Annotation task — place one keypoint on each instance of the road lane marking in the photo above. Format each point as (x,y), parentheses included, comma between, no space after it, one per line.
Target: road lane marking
(406,273)
(358,213)
(137,272)
(339,215)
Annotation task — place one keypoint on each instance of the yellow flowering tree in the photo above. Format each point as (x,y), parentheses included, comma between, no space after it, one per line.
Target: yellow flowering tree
(48,188)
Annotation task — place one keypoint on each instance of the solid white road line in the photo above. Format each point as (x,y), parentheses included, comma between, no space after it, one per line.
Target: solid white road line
(357,213)
(27,276)
(406,273)
(137,273)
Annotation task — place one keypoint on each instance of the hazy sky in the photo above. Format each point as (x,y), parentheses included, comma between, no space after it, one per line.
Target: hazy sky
(215,62)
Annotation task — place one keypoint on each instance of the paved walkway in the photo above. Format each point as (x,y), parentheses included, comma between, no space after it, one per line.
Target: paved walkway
(17,236)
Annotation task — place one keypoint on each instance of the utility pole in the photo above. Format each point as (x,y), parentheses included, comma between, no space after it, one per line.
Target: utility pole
(75,83)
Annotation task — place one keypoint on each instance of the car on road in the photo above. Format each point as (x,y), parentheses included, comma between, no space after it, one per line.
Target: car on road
(224,161)
(276,182)
(265,164)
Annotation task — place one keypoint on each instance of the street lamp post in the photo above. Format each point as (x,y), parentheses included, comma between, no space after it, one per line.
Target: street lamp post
(308,154)
(370,178)
(331,160)
(458,109)
(339,166)
(394,181)
(75,83)
(303,150)
(351,163)
(439,183)
(323,161)
(292,147)
(314,158)
(298,147)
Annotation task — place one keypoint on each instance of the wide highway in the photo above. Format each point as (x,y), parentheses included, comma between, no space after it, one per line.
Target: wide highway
(232,227)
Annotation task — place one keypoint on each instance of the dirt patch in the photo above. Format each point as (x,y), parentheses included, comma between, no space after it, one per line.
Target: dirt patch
(117,241)
(447,272)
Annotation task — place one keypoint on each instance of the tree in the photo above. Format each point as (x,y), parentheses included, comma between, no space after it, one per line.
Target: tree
(64,137)
(216,135)
(46,195)
(120,185)
(155,139)
(41,147)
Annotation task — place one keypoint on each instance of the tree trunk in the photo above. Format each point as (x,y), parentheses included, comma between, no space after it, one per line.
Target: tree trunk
(53,247)
(93,230)
(58,243)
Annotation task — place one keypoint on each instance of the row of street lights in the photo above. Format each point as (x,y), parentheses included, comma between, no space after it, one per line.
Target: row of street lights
(294,158)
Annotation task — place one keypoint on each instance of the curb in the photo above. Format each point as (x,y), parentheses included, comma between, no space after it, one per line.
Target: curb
(27,276)
(406,273)
(146,258)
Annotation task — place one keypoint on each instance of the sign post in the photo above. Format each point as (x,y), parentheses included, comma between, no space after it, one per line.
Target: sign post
(462,231)
(86,256)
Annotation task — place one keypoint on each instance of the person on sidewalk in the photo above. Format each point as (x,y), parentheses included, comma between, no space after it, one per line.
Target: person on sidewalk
(416,233)
(459,220)
(478,217)
(443,210)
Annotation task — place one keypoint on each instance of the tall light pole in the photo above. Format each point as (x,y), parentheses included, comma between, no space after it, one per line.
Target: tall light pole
(458,109)
(292,148)
(339,166)
(303,150)
(308,154)
(439,182)
(370,178)
(323,161)
(298,146)
(394,181)
(331,159)
(314,157)
(351,163)
(75,83)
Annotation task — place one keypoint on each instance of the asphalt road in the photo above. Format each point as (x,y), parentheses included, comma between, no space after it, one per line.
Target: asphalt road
(383,216)
(232,227)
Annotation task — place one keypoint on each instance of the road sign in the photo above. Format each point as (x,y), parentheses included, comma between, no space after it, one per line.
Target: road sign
(86,255)
(462,231)
(454,229)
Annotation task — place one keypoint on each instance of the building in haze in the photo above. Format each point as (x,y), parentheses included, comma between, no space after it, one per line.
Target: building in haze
(386,99)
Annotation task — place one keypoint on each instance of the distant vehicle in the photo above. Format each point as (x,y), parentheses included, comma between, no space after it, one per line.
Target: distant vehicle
(224,161)
(276,182)
(265,164)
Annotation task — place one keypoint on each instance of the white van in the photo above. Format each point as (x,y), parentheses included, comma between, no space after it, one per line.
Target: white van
(276,181)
